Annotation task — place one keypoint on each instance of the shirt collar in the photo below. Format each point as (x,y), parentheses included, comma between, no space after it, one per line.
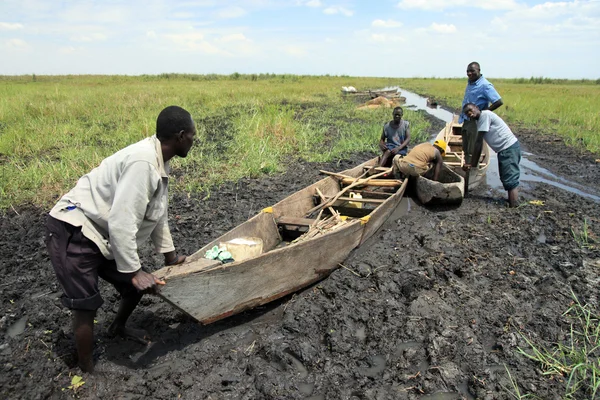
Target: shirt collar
(477,81)
(163,167)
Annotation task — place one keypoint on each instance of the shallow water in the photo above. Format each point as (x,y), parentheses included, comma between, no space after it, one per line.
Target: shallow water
(530,171)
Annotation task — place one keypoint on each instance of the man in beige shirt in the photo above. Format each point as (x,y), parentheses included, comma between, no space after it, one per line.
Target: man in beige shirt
(95,229)
(420,158)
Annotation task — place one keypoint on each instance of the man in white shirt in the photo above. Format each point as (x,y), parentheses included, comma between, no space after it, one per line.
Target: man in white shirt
(500,138)
(95,229)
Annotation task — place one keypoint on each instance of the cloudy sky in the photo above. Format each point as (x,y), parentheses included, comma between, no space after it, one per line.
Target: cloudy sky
(392,38)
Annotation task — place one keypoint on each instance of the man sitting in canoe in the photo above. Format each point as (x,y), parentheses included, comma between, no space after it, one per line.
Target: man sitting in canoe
(96,228)
(394,138)
(500,138)
(420,159)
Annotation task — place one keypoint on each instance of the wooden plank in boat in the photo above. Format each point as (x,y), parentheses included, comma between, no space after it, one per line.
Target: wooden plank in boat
(374,182)
(373,194)
(358,200)
(296,221)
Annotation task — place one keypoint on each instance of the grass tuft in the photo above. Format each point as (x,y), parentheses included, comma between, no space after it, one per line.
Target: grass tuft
(576,360)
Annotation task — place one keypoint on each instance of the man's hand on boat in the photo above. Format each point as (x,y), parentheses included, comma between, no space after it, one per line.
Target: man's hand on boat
(145,282)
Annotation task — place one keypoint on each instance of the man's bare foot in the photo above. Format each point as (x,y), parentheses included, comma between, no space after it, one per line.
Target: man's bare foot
(137,335)
(86,365)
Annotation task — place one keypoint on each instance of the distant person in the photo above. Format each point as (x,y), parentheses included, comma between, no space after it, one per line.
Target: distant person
(420,158)
(95,229)
(500,138)
(394,138)
(482,93)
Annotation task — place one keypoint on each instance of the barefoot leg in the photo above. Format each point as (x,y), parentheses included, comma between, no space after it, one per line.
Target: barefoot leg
(513,197)
(83,326)
(128,304)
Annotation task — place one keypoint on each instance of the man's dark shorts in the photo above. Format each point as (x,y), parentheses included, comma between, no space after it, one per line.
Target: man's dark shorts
(508,166)
(78,262)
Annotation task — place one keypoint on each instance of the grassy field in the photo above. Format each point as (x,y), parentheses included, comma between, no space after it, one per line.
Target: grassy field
(53,129)
(566,109)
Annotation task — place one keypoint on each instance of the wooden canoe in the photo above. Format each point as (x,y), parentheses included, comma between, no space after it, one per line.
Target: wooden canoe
(448,189)
(374,93)
(455,157)
(208,290)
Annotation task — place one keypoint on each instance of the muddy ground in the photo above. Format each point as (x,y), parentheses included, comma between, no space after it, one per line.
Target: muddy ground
(435,305)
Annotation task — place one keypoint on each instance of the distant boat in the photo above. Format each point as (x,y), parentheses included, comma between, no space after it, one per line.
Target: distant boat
(374,93)
(431,103)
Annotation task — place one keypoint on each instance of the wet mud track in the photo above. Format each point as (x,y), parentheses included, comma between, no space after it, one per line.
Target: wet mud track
(436,304)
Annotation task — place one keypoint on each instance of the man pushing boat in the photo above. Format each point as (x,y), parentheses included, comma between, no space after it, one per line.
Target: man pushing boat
(502,140)
(96,228)
(420,159)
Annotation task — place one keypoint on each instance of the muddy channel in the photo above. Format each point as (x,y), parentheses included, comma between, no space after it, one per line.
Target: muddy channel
(436,305)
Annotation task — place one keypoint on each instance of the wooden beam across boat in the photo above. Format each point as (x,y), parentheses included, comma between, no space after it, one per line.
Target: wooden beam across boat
(358,200)
(373,182)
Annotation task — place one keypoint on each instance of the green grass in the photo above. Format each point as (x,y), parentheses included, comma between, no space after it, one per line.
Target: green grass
(576,360)
(585,237)
(55,129)
(561,108)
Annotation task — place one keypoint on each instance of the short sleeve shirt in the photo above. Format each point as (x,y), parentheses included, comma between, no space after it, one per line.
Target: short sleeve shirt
(395,136)
(481,93)
(497,134)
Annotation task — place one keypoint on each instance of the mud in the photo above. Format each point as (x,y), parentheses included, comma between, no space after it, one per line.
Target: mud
(433,307)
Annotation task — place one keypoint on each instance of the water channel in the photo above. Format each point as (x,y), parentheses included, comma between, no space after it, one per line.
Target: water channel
(530,171)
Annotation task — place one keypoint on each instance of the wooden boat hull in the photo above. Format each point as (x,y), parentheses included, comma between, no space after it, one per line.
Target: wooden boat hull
(449,189)
(209,291)
(454,157)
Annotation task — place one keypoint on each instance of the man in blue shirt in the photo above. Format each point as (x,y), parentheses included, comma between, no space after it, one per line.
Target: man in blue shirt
(482,93)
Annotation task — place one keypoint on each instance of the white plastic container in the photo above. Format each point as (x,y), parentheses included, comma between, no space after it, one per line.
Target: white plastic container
(243,248)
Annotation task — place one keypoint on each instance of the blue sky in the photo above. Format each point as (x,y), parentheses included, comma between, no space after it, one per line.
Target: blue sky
(399,38)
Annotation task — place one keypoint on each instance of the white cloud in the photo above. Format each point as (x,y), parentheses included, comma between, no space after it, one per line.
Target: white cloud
(385,38)
(195,42)
(230,12)
(67,50)
(151,34)
(313,3)
(390,23)
(295,51)
(93,37)
(443,28)
(234,37)
(338,10)
(7,26)
(17,44)
(440,5)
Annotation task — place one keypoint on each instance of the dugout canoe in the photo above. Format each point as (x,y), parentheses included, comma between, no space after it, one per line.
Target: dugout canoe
(455,157)
(299,248)
(448,189)
(374,93)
